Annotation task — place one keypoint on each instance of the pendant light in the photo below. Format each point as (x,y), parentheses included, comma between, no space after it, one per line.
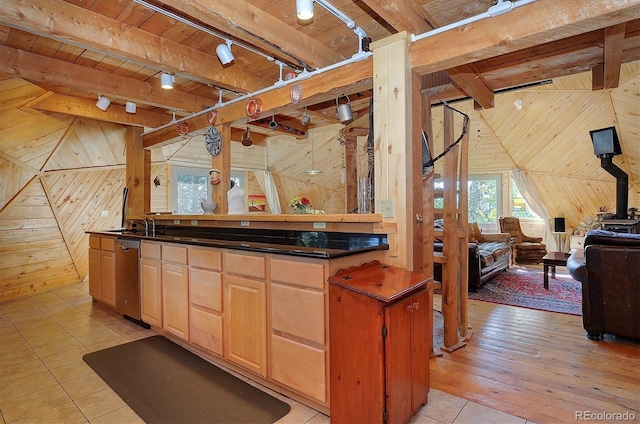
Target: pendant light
(313,170)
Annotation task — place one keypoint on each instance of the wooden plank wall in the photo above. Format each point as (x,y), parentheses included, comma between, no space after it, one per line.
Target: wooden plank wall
(59,174)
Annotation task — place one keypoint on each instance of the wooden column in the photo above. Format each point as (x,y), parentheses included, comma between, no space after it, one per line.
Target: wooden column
(394,177)
(138,173)
(222,162)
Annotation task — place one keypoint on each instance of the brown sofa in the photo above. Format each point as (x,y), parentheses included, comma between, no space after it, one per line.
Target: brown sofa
(609,269)
(489,254)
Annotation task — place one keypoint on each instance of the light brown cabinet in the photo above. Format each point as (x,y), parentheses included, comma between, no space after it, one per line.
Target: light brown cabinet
(298,337)
(151,283)
(102,269)
(205,299)
(175,290)
(245,304)
(380,337)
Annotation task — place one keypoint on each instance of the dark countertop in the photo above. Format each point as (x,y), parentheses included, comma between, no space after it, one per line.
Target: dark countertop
(323,245)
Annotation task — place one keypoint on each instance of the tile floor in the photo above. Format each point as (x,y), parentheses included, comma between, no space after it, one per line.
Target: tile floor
(43,378)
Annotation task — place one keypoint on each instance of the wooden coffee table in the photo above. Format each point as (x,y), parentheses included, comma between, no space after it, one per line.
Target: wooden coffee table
(551,260)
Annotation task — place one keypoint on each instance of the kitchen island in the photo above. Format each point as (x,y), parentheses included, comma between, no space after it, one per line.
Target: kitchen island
(251,299)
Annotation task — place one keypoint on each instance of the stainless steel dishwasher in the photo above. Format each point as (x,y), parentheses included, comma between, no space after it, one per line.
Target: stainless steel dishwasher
(128,280)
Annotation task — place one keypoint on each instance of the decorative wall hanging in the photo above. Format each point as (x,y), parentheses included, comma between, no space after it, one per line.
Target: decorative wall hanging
(254,108)
(182,128)
(212,117)
(296,93)
(213,141)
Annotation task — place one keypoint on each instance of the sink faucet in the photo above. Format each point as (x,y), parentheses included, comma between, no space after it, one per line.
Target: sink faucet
(146,225)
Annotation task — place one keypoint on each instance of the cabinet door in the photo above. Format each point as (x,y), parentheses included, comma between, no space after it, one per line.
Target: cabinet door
(205,329)
(108,264)
(151,287)
(245,323)
(95,274)
(421,346)
(175,299)
(398,360)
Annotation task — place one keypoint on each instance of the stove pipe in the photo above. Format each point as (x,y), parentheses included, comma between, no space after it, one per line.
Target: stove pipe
(622,185)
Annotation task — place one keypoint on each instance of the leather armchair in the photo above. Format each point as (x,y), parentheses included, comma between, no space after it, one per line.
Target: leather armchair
(528,250)
(609,269)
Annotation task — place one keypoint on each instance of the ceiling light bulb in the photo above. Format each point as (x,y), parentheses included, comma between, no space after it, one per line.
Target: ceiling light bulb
(518,104)
(224,53)
(304,9)
(130,107)
(166,81)
(103,103)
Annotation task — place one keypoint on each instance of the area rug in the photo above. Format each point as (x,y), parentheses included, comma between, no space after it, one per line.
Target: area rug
(519,286)
(165,383)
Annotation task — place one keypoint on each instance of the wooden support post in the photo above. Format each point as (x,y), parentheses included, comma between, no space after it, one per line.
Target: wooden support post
(222,162)
(463,220)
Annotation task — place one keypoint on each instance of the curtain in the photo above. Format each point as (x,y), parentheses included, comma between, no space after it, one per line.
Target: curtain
(535,203)
(271,193)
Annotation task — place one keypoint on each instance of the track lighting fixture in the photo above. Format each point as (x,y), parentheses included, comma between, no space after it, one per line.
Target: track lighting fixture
(304,9)
(166,81)
(130,107)
(224,53)
(103,103)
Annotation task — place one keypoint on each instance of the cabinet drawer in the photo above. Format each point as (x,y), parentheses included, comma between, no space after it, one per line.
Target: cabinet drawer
(298,312)
(243,264)
(94,242)
(300,273)
(174,253)
(108,244)
(205,258)
(205,330)
(150,250)
(205,288)
(299,367)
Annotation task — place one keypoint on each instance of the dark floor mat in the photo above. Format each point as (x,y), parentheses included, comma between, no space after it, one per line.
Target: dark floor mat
(165,383)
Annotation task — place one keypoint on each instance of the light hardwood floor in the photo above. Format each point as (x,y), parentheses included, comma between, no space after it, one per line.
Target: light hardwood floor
(520,366)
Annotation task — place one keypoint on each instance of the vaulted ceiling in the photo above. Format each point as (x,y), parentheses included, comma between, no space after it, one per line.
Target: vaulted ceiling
(80,49)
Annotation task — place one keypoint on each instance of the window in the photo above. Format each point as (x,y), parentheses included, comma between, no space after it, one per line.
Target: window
(519,206)
(189,187)
(485,200)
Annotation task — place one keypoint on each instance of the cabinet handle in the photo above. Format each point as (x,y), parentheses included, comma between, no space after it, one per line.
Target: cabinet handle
(413,307)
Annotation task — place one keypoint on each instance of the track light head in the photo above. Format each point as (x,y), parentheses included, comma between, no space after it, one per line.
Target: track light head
(304,9)
(130,107)
(103,103)
(166,81)
(224,53)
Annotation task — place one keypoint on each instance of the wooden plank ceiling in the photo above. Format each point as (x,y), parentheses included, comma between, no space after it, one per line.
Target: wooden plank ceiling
(77,50)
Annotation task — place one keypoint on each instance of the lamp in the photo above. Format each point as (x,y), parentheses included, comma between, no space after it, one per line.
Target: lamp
(130,107)
(304,9)
(313,170)
(224,53)
(166,81)
(103,103)
(605,142)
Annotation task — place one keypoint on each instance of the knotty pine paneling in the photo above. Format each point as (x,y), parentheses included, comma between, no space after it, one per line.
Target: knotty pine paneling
(33,253)
(13,178)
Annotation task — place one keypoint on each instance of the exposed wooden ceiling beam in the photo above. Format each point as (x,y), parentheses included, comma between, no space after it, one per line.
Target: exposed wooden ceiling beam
(355,77)
(530,25)
(276,39)
(609,75)
(468,79)
(66,22)
(403,15)
(35,67)
(407,15)
(87,109)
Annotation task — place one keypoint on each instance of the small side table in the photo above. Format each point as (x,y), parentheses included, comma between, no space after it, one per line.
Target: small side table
(551,260)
